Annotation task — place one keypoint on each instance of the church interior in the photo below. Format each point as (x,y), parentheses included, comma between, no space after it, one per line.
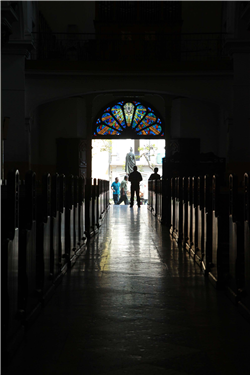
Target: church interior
(90,288)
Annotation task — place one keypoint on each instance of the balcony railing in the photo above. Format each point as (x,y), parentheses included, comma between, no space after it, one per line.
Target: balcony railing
(129,47)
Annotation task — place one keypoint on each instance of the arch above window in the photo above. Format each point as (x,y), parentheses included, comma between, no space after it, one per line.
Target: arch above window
(129,119)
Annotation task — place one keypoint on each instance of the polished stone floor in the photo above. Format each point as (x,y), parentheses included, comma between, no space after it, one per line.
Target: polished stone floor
(135,304)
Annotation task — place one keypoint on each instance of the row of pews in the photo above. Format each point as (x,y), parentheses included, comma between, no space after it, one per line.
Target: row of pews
(45,226)
(210,218)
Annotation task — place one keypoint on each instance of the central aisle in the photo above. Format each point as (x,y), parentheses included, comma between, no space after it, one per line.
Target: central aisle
(135,304)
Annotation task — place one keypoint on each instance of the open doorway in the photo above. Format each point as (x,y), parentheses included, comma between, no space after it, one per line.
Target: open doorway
(109,156)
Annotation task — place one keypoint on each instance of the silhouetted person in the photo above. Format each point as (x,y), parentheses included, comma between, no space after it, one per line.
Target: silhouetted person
(135,178)
(155,175)
(116,190)
(124,188)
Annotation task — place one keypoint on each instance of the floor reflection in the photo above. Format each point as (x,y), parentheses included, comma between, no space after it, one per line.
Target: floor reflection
(135,303)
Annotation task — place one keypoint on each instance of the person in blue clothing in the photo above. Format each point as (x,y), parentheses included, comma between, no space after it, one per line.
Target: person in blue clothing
(116,190)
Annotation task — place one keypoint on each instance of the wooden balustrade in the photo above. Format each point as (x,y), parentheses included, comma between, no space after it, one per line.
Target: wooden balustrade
(35,254)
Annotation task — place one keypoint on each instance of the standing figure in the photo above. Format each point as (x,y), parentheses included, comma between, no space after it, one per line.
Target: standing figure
(130,161)
(124,188)
(135,178)
(116,190)
(155,175)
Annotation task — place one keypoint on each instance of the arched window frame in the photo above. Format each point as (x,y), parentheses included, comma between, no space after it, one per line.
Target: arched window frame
(129,132)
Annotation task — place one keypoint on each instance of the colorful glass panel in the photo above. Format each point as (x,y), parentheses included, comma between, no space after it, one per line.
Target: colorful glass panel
(129,111)
(108,119)
(139,114)
(154,130)
(114,120)
(148,120)
(118,114)
(105,130)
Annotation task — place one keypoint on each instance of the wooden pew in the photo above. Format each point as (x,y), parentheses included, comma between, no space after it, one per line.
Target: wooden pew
(82,227)
(28,215)
(172,206)
(188,243)
(199,250)
(244,303)
(62,216)
(207,215)
(177,234)
(194,219)
(70,238)
(184,210)
(55,239)
(12,329)
(159,200)
(220,235)
(43,245)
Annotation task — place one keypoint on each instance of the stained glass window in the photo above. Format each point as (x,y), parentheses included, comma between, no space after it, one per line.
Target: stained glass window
(126,117)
